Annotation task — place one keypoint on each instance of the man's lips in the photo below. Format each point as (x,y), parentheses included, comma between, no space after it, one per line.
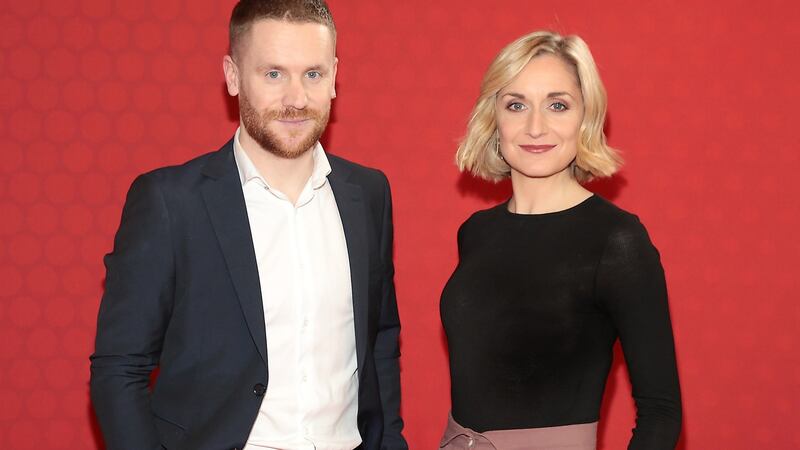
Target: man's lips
(293,121)
(536,148)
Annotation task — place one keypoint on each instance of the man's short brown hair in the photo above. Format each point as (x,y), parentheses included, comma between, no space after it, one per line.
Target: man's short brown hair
(246,12)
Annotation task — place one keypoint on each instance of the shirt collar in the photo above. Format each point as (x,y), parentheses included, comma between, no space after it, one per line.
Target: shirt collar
(248,171)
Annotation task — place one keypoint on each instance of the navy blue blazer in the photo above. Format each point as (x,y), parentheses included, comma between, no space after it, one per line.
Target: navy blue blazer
(182,292)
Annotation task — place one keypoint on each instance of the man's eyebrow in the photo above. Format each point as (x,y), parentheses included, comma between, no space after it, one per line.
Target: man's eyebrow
(269,67)
(265,67)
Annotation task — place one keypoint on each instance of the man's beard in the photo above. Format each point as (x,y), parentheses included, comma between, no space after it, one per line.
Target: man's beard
(257,125)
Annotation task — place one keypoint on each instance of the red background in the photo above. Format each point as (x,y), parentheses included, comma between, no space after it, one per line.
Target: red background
(703,103)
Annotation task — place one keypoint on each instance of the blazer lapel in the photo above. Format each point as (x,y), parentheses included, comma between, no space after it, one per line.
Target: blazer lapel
(349,200)
(226,207)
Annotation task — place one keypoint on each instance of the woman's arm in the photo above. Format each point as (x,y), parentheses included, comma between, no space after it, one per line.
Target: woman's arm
(630,284)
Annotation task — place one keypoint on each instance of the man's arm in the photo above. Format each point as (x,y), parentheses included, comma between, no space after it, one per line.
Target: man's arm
(387,350)
(133,316)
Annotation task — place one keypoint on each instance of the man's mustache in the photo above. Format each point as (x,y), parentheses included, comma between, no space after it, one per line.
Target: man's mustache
(291,113)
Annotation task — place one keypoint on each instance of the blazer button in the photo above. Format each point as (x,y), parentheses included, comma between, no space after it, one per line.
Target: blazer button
(259,389)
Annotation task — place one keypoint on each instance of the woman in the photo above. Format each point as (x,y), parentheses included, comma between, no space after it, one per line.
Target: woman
(548,280)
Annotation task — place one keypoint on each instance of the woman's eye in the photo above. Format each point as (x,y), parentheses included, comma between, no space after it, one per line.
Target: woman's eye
(558,106)
(516,106)
(273,74)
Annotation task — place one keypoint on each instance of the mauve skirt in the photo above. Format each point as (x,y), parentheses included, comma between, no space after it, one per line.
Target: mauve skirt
(568,437)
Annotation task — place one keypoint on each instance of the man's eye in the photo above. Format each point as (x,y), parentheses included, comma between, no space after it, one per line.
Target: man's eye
(314,75)
(273,74)
(558,106)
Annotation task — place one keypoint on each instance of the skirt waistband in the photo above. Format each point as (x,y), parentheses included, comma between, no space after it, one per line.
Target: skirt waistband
(566,437)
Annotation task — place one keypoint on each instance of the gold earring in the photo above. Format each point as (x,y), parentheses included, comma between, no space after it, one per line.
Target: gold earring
(497,147)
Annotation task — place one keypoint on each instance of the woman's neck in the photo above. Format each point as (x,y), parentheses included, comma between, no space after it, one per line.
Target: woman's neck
(545,195)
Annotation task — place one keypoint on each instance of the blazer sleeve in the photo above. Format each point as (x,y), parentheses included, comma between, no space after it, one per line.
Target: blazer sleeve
(132,320)
(387,350)
(631,285)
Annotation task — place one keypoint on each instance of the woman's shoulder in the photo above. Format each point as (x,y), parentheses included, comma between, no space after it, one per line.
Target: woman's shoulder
(485,216)
(481,221)
(623,229)
(613,215)
(597,213)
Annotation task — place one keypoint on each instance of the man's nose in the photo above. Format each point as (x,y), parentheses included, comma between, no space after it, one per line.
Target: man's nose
(295,94)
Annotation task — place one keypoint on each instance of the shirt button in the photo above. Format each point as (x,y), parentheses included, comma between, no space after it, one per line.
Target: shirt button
(471,443)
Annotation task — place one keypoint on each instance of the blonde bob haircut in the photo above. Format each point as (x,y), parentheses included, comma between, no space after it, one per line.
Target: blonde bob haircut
(479,153)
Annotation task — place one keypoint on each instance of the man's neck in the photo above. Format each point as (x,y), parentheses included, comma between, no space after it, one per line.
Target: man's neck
(288,175)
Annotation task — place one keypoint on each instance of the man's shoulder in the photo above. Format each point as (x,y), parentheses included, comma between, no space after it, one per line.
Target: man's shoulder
(191,170)
(356,173)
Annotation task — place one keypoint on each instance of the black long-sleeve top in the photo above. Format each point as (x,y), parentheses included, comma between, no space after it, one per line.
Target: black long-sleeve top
(532,312)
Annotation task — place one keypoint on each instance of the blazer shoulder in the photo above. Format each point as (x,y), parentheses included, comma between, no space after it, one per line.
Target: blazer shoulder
(368,177)
(190,173)
(177,172)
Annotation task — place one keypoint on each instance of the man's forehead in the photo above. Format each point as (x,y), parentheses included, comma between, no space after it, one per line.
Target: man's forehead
(277,35)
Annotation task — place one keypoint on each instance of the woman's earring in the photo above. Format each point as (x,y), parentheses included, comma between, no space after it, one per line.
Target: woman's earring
(497,148)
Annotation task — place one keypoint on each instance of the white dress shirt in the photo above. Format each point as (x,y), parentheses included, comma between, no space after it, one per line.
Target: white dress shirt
(311,400)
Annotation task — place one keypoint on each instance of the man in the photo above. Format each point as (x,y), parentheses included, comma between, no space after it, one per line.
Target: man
(258,277)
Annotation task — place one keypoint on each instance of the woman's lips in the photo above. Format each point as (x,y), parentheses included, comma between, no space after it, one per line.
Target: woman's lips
(536,148)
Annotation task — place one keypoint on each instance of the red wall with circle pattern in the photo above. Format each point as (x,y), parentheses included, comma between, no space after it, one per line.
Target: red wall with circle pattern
(703,102)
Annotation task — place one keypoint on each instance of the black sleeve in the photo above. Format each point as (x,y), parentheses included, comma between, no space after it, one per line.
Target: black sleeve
(132,320)
(631,287)
(387,349)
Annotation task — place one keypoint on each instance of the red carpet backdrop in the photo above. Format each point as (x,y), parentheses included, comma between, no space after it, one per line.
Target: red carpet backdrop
(703,102)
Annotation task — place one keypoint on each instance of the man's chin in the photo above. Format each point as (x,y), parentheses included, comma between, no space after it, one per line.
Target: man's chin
(294,152)
(296,144)
(291,142)
(292,147)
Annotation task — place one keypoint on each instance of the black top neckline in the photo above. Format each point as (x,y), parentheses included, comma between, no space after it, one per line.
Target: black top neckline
(503,207)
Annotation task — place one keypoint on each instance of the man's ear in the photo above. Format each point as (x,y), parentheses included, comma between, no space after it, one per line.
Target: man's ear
(231,75)
(333,78)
